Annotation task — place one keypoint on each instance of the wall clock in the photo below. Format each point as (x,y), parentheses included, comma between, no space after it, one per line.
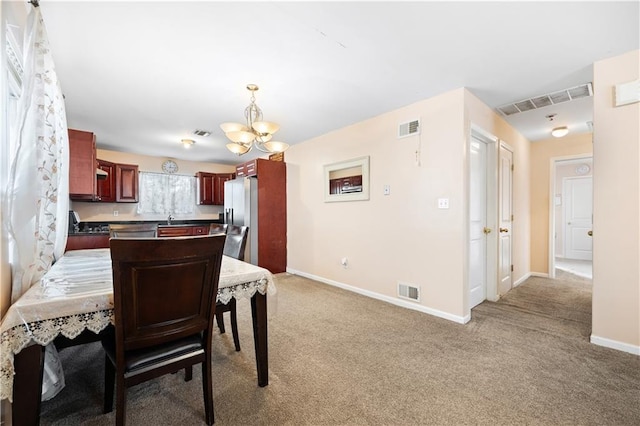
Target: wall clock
(169,166)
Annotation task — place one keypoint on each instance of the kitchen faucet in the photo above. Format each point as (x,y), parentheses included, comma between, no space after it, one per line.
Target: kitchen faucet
(169,219)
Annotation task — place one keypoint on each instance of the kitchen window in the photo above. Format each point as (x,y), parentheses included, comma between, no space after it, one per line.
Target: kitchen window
(165,194)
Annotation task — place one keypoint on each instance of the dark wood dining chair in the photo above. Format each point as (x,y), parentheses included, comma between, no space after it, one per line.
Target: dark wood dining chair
(234,246)
(164,291)
(142,230)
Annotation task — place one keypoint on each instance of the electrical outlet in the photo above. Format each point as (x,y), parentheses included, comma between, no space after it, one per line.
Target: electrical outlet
(443,203)
(115,212)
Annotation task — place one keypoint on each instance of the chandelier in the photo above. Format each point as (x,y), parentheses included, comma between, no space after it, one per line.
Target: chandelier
(256,132)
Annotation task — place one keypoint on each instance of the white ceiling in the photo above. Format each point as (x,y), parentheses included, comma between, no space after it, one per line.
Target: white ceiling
(143,75)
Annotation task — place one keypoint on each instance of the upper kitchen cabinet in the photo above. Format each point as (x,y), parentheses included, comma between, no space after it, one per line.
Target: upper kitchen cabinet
(211,187)
(82,165)
(126,183)
(247,169)
(91,179)
(106,187)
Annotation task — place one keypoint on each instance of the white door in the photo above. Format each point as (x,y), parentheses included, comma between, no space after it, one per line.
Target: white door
(478,224)
(578,217)
(505,218)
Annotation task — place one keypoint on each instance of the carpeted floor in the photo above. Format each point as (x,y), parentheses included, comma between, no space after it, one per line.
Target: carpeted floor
(338,358)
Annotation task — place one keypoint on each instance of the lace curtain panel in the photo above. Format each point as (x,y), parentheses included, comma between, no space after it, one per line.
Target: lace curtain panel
(163,194)
(37,198)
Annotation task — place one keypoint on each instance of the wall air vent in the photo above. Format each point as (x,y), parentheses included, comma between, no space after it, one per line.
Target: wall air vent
(542,101)
(409,128)
(408,291)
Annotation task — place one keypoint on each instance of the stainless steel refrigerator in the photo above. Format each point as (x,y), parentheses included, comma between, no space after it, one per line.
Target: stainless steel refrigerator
(241,208)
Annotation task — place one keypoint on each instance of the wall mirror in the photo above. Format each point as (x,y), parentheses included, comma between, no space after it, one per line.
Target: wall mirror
(347,180)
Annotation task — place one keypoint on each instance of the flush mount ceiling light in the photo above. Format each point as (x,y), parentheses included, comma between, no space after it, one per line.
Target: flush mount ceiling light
(559,132)
(187,143)
(256,132)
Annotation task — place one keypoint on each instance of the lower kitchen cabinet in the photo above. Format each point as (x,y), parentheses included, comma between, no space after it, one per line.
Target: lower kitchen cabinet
(182,231)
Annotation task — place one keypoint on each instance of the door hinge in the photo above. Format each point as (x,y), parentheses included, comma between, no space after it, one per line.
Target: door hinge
(512,168)
(511,268)
(511,218)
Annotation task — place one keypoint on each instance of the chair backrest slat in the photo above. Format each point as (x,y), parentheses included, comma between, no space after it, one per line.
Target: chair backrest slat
(164,288)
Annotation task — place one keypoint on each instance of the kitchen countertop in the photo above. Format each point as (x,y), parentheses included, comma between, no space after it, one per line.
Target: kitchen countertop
(102,228)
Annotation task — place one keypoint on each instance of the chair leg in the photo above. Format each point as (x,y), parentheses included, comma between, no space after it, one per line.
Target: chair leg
(207,391)
(220,321)
(121,403)
(109,383)
(234,324)
(188,373)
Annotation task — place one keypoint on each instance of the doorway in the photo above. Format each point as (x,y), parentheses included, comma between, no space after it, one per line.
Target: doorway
(482,279)
(571,216)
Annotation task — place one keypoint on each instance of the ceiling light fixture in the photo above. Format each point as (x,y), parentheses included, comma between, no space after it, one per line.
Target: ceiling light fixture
(187,143)
(256,132)
(559,132)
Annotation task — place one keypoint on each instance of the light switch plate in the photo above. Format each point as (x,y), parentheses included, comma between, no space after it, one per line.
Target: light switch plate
(386,190)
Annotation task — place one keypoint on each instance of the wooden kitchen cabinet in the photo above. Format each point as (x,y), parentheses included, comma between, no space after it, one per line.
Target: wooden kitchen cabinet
(345,184)
(271,189)
(211,187)
(106,188)
(182,231)
(250,168)
(126,183)
(82,165)
(120,185)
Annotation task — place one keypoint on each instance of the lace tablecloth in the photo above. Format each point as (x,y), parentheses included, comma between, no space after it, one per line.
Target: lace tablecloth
(77,294)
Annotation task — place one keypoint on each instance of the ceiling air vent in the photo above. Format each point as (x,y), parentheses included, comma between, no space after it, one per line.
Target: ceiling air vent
(542,101)
(409,128)
(203,133)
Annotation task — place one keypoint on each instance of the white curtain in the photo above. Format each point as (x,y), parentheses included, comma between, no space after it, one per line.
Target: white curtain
(164,194)
(38,187)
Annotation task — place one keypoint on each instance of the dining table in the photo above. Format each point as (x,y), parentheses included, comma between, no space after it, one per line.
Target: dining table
(76,295)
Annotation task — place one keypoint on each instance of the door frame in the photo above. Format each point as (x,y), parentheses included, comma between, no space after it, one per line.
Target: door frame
(553,163)
(504,145)
(493,144)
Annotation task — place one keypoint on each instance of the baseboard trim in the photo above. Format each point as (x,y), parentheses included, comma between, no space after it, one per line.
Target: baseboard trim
(440,314)
(522,279)
(539,274)
(614,344)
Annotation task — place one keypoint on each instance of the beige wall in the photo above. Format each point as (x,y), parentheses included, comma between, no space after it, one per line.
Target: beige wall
(541,154)
(616,214)
(401,237)
(101,212)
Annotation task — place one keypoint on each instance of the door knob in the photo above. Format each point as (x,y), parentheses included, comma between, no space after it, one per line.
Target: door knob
(486,230)
(504,230)
(590,233)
